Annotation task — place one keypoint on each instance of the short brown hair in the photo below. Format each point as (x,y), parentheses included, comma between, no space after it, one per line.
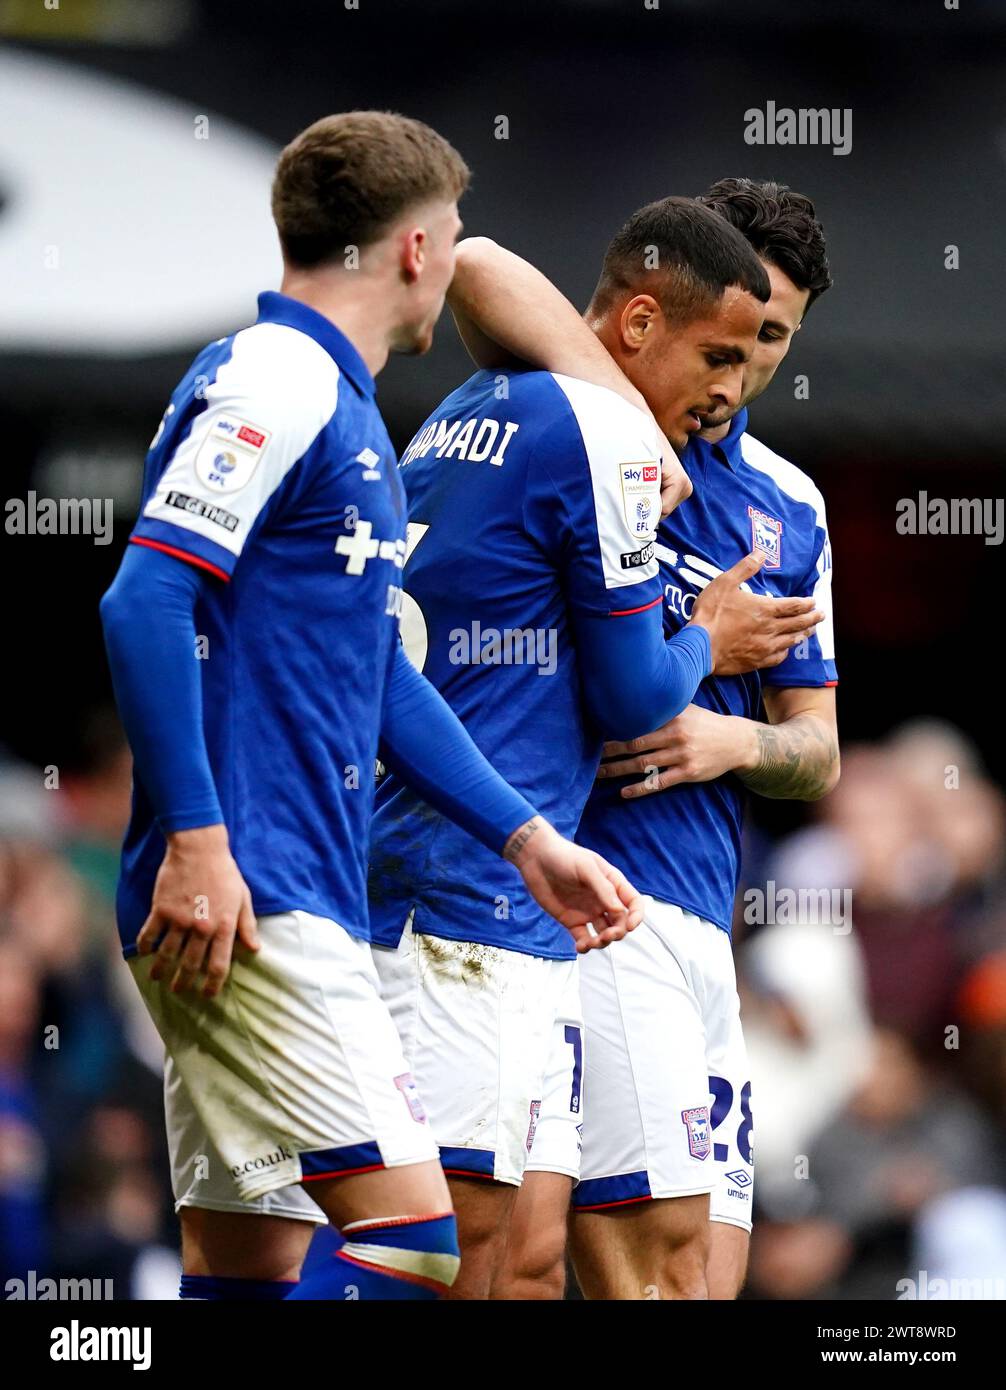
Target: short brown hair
(345,179)
(682,253)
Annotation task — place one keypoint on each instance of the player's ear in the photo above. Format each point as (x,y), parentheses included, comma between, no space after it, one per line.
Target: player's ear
(413,253)
(639,321)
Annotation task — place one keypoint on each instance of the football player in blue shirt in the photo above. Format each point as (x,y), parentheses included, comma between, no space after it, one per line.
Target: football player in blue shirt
(533,603)
(664,1200)
(253,637)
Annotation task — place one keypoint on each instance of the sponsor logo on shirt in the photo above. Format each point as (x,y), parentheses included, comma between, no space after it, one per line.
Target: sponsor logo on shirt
(362,545)
(195,506)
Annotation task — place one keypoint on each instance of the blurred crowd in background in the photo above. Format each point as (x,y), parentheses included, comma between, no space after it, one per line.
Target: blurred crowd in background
(878,1053)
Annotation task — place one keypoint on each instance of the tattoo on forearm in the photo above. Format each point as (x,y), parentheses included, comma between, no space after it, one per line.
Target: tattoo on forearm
(795,760)
(519,839)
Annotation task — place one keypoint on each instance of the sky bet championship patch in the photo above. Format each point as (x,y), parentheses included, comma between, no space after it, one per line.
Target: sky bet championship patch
(230,453)
(640,496)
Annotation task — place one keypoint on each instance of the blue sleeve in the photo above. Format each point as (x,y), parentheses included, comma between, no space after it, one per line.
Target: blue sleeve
(148,616)
(633,679)
(423,740)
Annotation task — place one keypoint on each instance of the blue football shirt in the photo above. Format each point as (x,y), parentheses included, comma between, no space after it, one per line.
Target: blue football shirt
(531,497)
(273,471)
(682,845)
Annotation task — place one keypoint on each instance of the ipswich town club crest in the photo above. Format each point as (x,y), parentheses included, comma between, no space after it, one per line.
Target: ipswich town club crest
(766,536)
(697,1124)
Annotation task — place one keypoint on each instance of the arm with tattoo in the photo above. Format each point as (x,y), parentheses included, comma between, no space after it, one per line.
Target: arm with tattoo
(792,757)
(795,760)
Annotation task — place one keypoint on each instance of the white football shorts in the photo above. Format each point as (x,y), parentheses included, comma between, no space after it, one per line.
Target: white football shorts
(558,1138)
(293,1073)
(667,1084)
(477,1025)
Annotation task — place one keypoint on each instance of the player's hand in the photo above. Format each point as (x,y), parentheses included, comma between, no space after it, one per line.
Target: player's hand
(698,746)
(751,631)
(575,885)
(200,903)
(675,484)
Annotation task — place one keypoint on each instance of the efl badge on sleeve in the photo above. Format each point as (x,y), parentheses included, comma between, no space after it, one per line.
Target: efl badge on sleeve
(697,1124)
(230,453)
(766,536)
(641,496)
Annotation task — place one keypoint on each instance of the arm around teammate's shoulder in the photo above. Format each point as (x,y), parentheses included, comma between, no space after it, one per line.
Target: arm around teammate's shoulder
(508,315)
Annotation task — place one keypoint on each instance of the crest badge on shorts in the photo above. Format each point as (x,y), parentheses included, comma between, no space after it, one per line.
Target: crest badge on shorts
(766,537)
(532,1127)
(641,495)
(410,1091)
(697,1124)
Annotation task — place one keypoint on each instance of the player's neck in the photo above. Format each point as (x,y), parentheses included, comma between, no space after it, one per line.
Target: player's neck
(351,305)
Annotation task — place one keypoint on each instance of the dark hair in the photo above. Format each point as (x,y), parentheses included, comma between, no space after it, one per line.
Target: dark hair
(345,179)
(781,226)
(682,253)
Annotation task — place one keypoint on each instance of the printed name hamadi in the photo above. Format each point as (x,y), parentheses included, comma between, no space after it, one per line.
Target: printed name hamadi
(65,516)
(76,1343)
(960,516)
